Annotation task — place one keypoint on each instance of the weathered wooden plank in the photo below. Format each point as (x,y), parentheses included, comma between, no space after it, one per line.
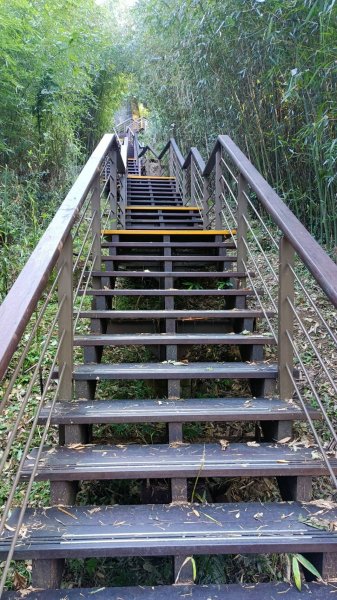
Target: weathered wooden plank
(184,315)
(178,338)
(250,591)
(156,530)
(173,292)
(174,274)
(179,370)
(163,461)
(183,258)
(183,410)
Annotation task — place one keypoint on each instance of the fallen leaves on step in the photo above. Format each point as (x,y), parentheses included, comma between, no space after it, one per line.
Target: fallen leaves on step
(253,444)
(224,444)
(66,512)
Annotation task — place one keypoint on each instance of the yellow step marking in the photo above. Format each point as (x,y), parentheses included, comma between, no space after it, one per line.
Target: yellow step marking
(132,159)
(148,177)
(226,232)
(162,208)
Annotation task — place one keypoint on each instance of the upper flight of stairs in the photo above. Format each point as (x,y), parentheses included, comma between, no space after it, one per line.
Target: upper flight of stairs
(189,307)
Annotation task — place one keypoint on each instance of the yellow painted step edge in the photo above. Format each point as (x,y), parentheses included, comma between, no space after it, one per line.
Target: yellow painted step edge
(149,177)
(227,232)
(161,208)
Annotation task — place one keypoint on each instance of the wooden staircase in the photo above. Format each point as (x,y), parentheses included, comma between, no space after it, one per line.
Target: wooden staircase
(171,289)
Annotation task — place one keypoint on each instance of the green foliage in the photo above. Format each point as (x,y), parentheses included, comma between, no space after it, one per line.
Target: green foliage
(62,79)
(296,561)
(263,72)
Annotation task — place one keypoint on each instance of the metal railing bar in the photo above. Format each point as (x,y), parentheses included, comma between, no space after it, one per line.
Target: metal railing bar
(261,220)
(84,267)
(256,266)
(22,299)
(87,233)
(265,314)
(28,343)
(85,289)
(312,387)
(318,312)
(228,227)
(260,248)
(228,169)
(30,387)
(228,207)
(229,189)
(312,426)
(85,207)
(34,470)
(320,265)
(318,356)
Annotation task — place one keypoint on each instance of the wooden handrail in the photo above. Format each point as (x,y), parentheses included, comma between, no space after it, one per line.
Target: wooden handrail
(172,143)
(194,152)
(320,265)
(25,293)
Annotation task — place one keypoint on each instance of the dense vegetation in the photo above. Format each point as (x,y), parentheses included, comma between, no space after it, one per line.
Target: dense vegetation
(263,71)
(62,79)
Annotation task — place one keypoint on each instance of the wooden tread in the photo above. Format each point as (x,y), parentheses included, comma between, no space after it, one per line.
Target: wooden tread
(188,244)
(163,208)
(162,461)
(170,292)
(178,370)
(157,530)
(249,591)
(184,315)
(178,338)
(181,411)
(209,232)
(174,274)
(156,258)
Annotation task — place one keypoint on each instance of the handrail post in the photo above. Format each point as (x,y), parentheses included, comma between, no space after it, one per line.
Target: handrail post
(193,168)
(171,161)
(65,319)
(218,190)
(285,318)
(242,226)
(96,223)
(205,198)
(184,191)
(113,186)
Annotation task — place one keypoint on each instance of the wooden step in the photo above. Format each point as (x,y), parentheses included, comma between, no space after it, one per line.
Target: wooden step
(183,315)
(201,232)
(188,244)
(142,339)
(163,208)
(174,274)
(188,258)
(250,591)
(171,292)
(180,411)
(178,370)
(162,461)
(157,530)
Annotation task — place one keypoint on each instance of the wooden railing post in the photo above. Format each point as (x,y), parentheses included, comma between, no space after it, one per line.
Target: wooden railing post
(192,184)
(205,198)
(96,223)
(285,318)
(113,187)
(65,320)
(171,162)
(242,227)
(218,190)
